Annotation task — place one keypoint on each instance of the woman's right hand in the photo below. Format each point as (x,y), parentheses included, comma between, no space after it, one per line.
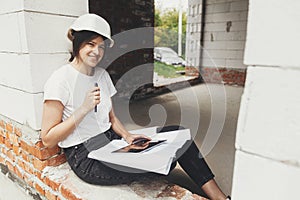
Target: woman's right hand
(92,99)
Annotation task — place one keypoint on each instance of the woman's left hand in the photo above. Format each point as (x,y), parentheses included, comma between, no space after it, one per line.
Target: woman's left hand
(130,138)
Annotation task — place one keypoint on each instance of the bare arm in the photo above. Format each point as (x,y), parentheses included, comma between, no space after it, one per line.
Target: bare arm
(118,127)
(54,129)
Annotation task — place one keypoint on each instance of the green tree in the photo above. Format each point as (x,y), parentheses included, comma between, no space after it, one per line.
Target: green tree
(166,31)
(157,19)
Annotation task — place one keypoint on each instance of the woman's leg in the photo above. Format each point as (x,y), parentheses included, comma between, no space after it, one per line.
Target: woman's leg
(196,167)
(212,190)
(193,163)
(97,172)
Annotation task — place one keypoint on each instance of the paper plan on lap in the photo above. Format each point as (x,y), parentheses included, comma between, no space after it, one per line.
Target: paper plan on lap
(158,159)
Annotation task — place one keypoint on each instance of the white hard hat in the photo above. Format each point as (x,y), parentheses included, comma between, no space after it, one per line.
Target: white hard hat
(91,22)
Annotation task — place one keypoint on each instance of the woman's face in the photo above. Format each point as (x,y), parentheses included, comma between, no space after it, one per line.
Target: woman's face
(92,52)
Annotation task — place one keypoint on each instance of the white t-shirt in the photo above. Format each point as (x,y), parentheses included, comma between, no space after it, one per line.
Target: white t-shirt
(69,86)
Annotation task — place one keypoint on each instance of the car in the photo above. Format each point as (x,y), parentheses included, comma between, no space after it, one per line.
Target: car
(168,56)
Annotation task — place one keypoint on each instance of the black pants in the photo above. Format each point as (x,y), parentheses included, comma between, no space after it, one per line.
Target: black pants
(100,173)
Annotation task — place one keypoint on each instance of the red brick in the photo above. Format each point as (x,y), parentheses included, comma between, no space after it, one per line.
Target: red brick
(58,198)
(18,132)
(26,156)
(4,150)
(31,149)
(39,144)
(39,164)
(2,139)
(27,179)
(16,150)
(52,184)
(18,172)
(21,164)
(10,166)
(57,160)
(67,193)
(50,196)
(53,161)
(45,153)
(2,133)
(39,189)
(8,144)
(9,137)
(9,128)
(10,154)
(38,174)
(2,160)
(28,168)
(2,124)
(25,146)
(14,139)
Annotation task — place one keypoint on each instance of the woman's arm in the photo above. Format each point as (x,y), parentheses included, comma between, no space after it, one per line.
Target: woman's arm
(54,129)
(118,127)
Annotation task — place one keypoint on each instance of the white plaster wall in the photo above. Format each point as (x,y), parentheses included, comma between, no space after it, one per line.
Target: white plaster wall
(42,66)
(15,71)
(20,106)
(193,33)
(217,41)
(267,164)
(33,44)
(13,35)
(8,6)
(264,179)
(65,7)
(273,36)
(47,33)
(269,121)
(267,159)
(28,72)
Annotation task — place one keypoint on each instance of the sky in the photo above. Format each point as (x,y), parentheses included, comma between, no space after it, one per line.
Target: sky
(166,4)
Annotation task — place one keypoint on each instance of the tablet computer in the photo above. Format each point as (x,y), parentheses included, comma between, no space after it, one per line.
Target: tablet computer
(139,148)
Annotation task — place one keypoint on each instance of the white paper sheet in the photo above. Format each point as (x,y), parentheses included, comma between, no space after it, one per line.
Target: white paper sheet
(158,159)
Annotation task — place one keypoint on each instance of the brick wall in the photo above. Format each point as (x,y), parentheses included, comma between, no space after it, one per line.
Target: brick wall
(223,75)
(24,156)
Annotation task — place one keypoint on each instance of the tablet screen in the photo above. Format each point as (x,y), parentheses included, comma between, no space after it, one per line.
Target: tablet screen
(136,148)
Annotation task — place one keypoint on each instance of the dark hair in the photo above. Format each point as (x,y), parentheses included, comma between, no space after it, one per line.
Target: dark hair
(80,38)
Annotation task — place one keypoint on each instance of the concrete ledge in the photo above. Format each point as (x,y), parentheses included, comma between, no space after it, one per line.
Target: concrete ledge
(60,183)
(65,184)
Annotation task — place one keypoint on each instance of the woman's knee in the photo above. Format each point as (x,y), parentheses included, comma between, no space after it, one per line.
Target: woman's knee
(169,128)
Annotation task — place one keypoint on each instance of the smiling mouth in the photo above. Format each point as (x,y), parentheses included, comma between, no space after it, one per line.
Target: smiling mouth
(94,58)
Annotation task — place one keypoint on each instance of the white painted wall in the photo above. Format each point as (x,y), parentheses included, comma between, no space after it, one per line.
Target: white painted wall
(221,48)
(267,180)
(267,162)
(273,37)
(193,33)
(33,44)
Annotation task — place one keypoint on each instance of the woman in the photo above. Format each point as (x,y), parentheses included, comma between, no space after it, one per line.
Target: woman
(71,121)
